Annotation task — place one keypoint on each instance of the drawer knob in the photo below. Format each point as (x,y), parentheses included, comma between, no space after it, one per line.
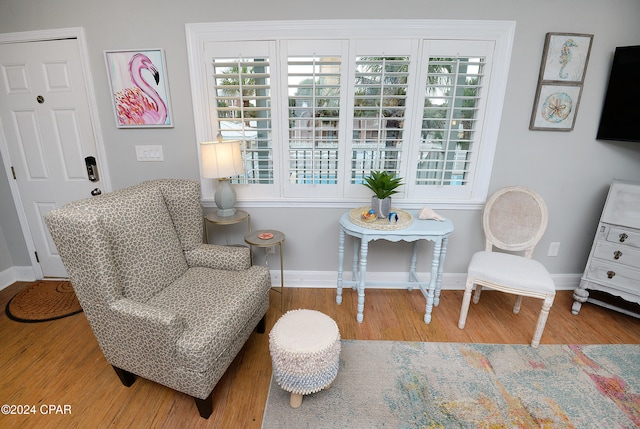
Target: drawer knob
(617,254)
(623,237)
(610,274)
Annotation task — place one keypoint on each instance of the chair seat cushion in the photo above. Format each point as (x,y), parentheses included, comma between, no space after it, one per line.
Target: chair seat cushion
(513,271)
(215,305)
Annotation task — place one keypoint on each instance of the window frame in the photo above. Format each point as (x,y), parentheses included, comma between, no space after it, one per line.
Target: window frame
(500,33)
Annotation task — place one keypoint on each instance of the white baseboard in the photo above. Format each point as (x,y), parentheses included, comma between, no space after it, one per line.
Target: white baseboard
(7,277)
(388,280)
(16,274)
(326,279)
(566,281)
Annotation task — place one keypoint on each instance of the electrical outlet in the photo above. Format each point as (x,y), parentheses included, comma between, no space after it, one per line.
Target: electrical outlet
(554,248)
(271,250)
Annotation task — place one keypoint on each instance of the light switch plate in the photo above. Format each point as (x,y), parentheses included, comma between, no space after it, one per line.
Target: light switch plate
(149,153)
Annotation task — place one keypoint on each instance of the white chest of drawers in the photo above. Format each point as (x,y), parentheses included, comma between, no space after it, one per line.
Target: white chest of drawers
(614,261)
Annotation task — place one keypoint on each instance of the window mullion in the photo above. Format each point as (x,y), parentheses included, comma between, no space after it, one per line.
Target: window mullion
(378,161)
(413,120)
(314,131)
(345,136)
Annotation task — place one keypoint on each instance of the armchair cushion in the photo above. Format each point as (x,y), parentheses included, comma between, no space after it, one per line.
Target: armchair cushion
(214,305)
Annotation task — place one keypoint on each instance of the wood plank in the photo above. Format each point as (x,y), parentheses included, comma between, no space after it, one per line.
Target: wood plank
(60,363)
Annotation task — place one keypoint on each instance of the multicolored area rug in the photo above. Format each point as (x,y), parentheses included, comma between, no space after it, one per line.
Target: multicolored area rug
(443,385)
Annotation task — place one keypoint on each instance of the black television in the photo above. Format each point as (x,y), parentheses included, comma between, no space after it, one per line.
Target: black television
(621,111)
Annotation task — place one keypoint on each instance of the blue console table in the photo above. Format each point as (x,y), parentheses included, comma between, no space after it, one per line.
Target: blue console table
(431,230)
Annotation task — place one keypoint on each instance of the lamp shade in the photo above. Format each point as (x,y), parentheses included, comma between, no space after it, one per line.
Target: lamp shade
(221,159)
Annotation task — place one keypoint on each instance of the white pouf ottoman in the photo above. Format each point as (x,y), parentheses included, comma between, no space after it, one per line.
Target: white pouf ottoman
(305,352)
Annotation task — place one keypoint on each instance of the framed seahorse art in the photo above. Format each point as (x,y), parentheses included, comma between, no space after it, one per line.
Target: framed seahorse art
(562,72)
(138,83)
(565,57)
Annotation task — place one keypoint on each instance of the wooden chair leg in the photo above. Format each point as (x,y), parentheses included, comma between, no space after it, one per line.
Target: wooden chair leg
(466,300)
(542,320)
(205,406)
(476,295)
(518,303)
(125,377)
(262,325)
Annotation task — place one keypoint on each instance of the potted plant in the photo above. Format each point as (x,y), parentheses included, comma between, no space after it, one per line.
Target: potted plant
(383,185)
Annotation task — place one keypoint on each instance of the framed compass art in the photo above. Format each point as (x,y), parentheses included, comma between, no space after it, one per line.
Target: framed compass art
(562,71)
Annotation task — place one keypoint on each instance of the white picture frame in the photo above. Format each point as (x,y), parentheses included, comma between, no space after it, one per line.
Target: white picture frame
(139,88)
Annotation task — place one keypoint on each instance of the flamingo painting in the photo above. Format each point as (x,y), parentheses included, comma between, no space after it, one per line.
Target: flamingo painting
(135,90)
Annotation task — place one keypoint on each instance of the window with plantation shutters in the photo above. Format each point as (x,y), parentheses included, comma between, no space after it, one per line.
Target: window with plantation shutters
(241,90)
(379,104)
(449,120)
(313,77)
(320,105)
(314,119)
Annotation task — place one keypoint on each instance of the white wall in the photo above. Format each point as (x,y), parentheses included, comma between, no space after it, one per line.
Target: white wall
(570,169)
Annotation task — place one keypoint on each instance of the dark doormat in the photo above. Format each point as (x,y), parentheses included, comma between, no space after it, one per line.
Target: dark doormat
(44,301)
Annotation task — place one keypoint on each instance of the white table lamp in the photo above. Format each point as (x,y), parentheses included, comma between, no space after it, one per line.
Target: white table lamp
(221,160)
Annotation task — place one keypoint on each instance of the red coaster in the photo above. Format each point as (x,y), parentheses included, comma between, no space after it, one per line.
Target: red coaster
(265,236)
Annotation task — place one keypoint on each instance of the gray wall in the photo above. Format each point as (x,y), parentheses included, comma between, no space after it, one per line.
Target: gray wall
(570,169)
(13,250)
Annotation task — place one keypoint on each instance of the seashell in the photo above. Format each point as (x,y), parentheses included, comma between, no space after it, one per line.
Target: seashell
(427,213)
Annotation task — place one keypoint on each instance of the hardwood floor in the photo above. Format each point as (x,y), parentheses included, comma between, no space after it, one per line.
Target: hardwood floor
(60,363)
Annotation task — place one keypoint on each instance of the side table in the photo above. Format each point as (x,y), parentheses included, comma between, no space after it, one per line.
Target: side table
(237,217)
(266,238)
(432,230)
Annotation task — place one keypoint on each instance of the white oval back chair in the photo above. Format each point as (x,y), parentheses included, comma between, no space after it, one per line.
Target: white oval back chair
(514,220)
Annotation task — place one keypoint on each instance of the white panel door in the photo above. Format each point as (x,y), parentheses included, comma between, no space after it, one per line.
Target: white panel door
(45,121)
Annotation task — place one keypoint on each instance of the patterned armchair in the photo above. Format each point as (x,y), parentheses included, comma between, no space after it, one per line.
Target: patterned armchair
(162,305)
